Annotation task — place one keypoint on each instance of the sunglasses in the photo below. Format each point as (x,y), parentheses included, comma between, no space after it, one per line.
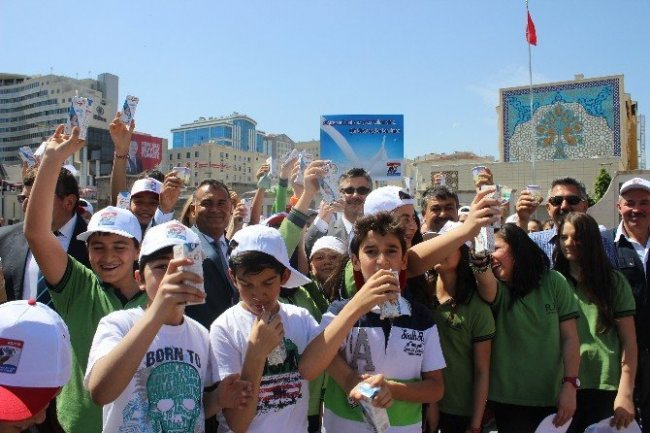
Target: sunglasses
(21,198)
(362,190)
(557,200)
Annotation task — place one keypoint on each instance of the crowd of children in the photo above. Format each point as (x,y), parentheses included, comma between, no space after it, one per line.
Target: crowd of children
(384,331)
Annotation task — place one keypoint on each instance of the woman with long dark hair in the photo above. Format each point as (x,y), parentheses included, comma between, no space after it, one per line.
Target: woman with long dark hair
(535,353)
(466,329)
(608,350)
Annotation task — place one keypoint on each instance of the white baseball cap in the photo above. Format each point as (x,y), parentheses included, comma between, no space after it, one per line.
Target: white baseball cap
(328,242)
(385,199)
(269,241)
(147,184)
(35,358)
(113,220)
(635,183)
(87,206)
(166,235)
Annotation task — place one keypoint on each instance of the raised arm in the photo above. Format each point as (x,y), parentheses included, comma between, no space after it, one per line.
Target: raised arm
(321,351)
(112,373)
(52,259)
(427,254)
(121,136)
(258,199)
(170,193)
(486,282)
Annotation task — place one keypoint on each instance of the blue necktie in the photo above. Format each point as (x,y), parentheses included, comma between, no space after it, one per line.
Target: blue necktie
(42,294)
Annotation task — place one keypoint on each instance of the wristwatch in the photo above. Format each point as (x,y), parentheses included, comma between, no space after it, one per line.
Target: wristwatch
(573,380)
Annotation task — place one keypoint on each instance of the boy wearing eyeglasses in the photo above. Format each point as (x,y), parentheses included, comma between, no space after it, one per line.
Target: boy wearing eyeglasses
(354,187)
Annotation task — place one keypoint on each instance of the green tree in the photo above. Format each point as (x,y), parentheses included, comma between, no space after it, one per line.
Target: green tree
(601,184)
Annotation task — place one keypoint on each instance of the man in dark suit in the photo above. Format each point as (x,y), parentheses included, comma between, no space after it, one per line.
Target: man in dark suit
(20,270)
(632,241)
(212,210)
(354,186)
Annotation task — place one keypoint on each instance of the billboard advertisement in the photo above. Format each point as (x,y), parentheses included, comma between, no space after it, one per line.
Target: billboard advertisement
(374,142)
(145,153)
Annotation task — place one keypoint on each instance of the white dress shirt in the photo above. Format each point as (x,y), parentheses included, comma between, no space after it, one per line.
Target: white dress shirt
(30,279)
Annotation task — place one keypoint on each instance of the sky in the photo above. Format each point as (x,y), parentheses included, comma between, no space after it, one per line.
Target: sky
(286,62)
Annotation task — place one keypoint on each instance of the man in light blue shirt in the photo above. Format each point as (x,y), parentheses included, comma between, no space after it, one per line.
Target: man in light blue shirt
(566,195)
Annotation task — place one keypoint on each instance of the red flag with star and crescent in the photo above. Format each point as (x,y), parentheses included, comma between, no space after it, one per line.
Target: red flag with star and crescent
(531,34)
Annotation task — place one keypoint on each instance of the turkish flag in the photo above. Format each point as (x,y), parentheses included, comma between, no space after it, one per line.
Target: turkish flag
(531,34)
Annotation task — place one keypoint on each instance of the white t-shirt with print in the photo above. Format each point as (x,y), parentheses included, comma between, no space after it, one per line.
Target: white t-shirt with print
(284,393)
(166,392)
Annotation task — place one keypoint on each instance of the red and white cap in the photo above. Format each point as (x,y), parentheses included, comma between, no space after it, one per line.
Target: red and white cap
(35,358)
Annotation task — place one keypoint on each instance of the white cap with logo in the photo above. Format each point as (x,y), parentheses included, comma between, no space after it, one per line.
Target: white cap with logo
(113,220)
(147,184)
(167,235)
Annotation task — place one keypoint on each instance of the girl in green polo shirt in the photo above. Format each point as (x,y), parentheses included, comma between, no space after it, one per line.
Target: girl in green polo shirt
(466,328)
(608,351)
(535,353)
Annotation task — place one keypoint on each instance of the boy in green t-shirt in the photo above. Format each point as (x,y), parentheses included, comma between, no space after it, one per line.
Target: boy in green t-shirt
(81,296)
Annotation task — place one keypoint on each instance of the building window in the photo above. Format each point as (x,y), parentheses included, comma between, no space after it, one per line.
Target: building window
(171,156)
(178,156)
(187,154)
(196,154)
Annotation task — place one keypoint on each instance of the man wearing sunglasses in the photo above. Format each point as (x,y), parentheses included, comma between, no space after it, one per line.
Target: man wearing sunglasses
(566,195)
(23,279)
(354,187)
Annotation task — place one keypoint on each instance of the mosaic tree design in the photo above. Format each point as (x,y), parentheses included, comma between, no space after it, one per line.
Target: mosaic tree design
(560,127)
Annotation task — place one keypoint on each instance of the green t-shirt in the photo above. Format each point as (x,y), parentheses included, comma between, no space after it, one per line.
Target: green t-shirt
(526,364)
(600,353)
(350,287)
(82,300)
(317,296)
(470,322)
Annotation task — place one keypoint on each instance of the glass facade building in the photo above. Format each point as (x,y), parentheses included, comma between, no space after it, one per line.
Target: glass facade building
(237,131)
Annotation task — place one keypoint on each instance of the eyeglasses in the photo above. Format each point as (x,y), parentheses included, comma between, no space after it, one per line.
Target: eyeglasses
(557,200)
(362,190)
(22,198)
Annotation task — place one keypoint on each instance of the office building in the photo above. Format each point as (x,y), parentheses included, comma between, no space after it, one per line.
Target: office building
(31,107)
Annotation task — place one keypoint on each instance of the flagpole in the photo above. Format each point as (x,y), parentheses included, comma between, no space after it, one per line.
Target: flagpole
(532,126)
